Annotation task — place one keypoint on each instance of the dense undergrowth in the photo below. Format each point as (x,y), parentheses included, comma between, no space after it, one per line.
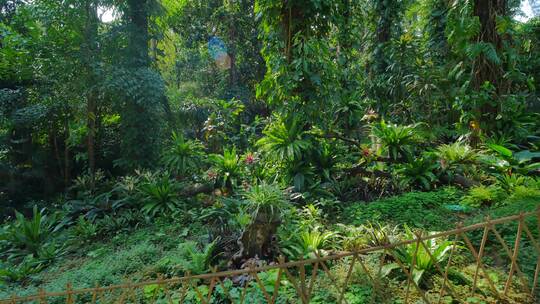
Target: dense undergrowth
(187,136)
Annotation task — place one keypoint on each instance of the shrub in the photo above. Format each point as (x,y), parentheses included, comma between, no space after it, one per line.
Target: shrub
(396,138)
(160,196)
(418,172)
(285,140)
(479,196)
(187,257)
(183,156)
(265,202)
(307,242)
(84,231)
(30,236)
(227,167)
(417,255)
(458,153)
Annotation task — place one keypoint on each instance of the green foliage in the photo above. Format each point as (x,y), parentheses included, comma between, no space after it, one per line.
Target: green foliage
(418,172)
(417,209)
(83,232)
(21,271)
(265,202)
(183,156)
(397,139)
(503,160)
(509,182)
(479,196)
(285,140)
(188,257)
(31,236)
(369,235)
(309,243)
(423,258)
(457,153)
(160,196)
(227,167)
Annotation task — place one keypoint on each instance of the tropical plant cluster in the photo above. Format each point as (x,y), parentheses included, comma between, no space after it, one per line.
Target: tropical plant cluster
(158,138)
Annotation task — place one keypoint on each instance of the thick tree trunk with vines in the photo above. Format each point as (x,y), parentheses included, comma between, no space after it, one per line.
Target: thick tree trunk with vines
(485,70)
(91,32)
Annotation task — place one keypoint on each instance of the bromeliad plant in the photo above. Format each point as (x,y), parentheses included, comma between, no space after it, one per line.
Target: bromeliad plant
(418,172)
(227,168)
(160,196)
(183,156)
(397,139)
(423,258)
(30,236)
(266,205)
(285,140)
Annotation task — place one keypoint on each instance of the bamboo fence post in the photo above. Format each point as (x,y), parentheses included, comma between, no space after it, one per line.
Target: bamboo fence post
(411,268)
(475,255)
(514,256)
(42,296)
(479,257)
(347,278)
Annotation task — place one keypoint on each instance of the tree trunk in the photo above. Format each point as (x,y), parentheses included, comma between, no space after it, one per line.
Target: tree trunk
(486,70)
(67,155)
(90,50)
(256,239)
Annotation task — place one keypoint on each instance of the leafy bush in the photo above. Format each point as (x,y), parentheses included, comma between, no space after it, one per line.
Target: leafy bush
(418,172)
(509,182)
(187,257)
(424,264)
(84,231)
(368,235)
(417,209)
(265,202)
(285,140)
(227,167)
(183,156)
(307,242)
(21,271)
(479,196)
(503,160)
(30,236)
(396,138)
(458,153)
(456,158)
(160,196)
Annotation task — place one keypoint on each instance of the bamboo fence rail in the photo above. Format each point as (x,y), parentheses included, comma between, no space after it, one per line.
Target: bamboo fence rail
(303,274)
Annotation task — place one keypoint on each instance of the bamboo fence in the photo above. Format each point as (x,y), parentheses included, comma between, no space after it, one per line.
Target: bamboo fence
(302,276)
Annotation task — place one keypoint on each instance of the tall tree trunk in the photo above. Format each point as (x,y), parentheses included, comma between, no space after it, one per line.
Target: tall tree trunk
(90,50)
(139,125)
(67,154)
(486,70)
(139,37)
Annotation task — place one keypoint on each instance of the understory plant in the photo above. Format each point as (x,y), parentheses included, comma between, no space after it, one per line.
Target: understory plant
(266,204)
(418,172)
(481,195)
(422,258)
(397,139)
(160,196)
(227,168)
(30,236)
(183,157)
